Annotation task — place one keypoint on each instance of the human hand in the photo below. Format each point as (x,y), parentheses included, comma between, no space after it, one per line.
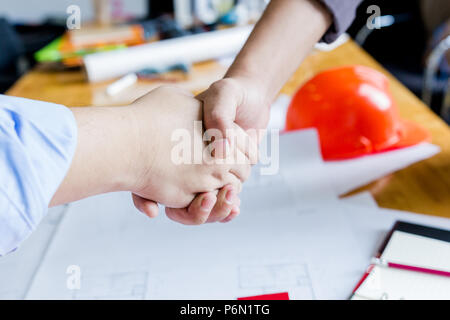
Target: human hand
(222,206)
(227,102)
(235,100)
(175,185)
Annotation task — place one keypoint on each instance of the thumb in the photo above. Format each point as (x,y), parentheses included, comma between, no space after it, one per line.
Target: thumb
(220,104)
(219,115)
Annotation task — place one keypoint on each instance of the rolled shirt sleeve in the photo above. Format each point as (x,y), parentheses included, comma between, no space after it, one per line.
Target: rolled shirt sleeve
(343,13)
(38,141)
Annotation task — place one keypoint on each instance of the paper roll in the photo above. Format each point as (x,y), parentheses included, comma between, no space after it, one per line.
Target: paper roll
(188,49)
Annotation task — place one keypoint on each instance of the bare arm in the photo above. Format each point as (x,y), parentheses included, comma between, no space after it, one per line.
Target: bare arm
(130,149)
(105,158)
(282,38)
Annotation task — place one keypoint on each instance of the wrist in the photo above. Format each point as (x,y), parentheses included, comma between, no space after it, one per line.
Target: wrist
(134,149)
(254,88)
(250,76)
(247,72)
(144,132)
(103,159)
(128,148)
(117,146)
(274,50)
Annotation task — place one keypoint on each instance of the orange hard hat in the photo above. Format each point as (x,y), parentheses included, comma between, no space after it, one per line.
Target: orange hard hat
(354,113)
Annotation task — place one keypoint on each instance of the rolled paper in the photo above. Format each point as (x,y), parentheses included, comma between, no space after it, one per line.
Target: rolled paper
(189,49)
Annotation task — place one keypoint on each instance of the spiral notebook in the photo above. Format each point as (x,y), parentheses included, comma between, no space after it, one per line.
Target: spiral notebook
(413,263)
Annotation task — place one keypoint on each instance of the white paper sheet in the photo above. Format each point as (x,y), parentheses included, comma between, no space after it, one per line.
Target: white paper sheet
(302,173)
(17,268)
(364,199)
(350,174)
(371,225)
(293,235)
(124,255)
(280,242)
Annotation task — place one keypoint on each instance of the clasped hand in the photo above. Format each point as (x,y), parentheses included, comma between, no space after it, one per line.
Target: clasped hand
(193,192)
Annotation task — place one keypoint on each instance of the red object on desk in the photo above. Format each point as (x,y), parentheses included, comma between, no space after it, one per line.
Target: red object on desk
(354,113)
(273,296)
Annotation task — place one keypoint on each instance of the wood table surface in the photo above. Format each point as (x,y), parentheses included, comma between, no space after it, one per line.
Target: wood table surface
(423,187)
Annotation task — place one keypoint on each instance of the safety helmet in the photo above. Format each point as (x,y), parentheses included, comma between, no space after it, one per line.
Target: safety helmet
(354,113)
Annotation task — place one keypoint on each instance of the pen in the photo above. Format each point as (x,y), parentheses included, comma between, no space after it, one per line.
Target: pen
(387,264)
(121,84)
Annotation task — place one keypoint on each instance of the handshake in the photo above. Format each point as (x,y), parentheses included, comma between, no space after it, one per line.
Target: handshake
(169,147)
(196,173)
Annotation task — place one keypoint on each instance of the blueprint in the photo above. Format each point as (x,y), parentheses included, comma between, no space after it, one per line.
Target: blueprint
(293,235)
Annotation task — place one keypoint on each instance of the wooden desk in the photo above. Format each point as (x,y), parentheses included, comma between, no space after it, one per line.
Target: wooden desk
(423,187)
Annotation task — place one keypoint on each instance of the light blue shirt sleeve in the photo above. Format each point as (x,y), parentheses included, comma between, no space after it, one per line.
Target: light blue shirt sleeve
(37,143)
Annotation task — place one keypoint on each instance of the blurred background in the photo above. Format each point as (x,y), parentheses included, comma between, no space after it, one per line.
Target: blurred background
(35,31)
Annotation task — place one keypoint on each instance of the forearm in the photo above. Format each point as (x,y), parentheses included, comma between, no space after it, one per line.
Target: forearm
(280,41)
(103,160)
